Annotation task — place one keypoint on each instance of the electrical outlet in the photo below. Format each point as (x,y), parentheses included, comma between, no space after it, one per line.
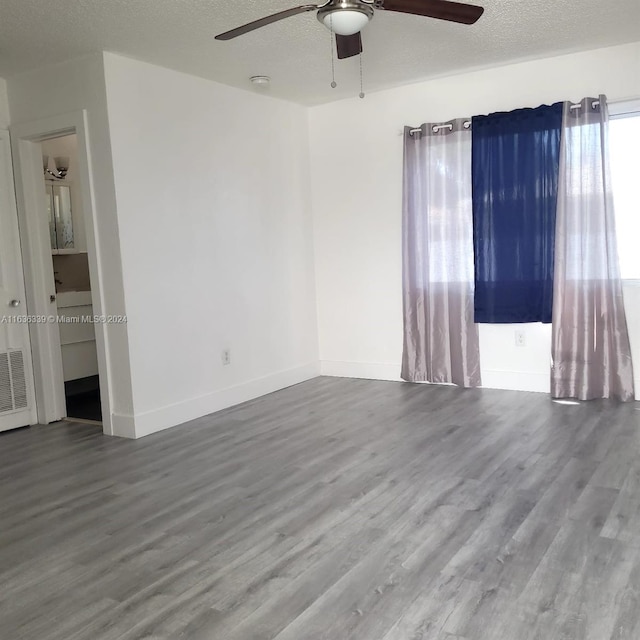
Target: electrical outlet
(226,356)
(521,338)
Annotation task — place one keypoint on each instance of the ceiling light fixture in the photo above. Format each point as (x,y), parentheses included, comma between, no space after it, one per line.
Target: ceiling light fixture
(260,80)
(346,17)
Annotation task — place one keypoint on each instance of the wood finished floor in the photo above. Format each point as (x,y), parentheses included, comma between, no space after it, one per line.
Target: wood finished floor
(336,509)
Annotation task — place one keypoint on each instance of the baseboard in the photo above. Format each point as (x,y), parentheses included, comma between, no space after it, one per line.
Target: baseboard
(122,426)
(491,378)
(150,422)
(143,424)
(366,370)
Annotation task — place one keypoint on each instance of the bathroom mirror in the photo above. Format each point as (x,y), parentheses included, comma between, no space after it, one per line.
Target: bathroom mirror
(60,220)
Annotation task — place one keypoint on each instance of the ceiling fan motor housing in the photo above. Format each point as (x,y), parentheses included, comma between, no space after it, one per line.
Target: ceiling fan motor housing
(346,17)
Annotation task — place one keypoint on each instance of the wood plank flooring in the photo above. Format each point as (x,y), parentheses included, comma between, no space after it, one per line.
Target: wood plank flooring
(336,509)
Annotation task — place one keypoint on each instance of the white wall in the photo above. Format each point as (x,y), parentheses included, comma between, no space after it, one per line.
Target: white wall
(212,187)
(356,168)
(631,291)
(4,105)
(62,89)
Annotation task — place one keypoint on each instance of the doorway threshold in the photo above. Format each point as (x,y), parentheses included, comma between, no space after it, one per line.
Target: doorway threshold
(93,423)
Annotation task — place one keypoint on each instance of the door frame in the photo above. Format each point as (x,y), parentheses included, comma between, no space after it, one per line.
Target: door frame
(36,249)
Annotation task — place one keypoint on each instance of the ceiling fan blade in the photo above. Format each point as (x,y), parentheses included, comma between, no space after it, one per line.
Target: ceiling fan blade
(440,9)
(348,46)
(256,24)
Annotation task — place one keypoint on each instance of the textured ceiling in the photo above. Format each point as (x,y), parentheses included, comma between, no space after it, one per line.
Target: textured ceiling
(296,52)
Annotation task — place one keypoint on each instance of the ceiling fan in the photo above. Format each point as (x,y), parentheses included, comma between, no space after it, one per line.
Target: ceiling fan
(347,17)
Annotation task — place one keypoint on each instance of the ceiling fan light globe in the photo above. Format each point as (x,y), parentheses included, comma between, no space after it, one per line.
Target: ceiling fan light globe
(345,22)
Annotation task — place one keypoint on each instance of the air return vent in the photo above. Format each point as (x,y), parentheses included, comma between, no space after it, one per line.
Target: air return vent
(13,388)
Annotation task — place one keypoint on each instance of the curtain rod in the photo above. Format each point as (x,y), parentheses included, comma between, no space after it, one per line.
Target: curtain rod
(594,104)
(467,124)
(436,127)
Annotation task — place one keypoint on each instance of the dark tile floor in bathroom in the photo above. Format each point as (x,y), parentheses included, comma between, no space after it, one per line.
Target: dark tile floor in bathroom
(83,399)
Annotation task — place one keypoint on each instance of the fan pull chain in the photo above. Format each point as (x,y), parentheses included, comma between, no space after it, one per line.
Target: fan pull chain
(334,84)
(361,83)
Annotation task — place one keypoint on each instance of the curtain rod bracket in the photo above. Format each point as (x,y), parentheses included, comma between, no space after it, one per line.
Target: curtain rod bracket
(594,105)
(436,127)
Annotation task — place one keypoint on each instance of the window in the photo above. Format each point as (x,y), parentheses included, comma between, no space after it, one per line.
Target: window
(624,147)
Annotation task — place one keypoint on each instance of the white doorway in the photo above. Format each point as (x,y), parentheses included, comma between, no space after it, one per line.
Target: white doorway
(72,281)
(29,141)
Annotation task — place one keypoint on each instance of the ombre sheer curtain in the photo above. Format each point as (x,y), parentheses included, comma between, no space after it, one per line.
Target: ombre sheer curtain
(440,337)
(590,344)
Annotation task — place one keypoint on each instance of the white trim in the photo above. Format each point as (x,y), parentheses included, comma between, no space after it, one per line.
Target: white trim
(491,378)
(47,354)
(123,426)
(624,108)
(14,421)
(144,424)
